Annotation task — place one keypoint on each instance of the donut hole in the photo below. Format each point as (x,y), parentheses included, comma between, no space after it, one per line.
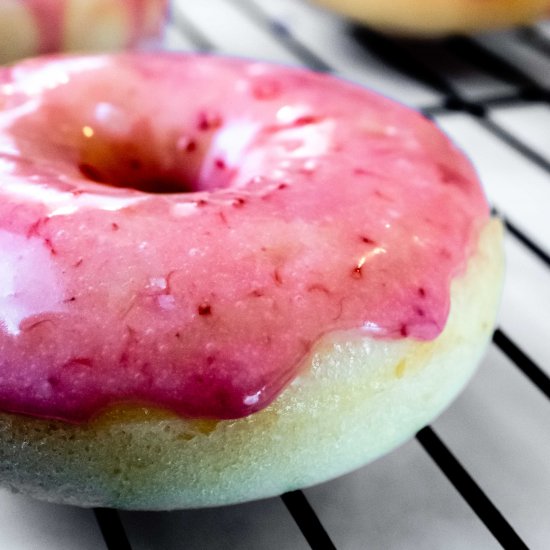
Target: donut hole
(119,148)
(89,131)
(145,163)
(134,172)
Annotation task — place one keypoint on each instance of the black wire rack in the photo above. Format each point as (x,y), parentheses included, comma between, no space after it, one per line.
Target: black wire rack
(479,477)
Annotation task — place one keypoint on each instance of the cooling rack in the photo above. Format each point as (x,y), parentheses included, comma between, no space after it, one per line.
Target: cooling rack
(479,477)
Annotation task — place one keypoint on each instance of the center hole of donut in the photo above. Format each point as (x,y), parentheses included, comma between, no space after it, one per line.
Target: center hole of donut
(142,162)
(133,173)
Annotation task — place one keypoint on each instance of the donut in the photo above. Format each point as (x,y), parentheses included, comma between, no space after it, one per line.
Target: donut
(432,18)
(225,279)
(31,27)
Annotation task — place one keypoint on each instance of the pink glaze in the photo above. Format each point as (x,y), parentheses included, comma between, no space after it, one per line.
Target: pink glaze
(299,205)
(50,20)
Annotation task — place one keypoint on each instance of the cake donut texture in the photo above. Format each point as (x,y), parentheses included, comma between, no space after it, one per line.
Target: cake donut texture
(225,279)
(30,27)
(440,17)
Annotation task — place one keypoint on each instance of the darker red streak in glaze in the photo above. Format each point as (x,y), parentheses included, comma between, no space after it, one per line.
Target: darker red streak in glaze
(88,171)
(205,309)
(366,240)
(208,121)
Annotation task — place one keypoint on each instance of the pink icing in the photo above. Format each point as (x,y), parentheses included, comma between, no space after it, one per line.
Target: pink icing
(50,20)
(270,206)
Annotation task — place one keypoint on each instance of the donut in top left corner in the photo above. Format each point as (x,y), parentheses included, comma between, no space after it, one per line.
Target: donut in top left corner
(32,27)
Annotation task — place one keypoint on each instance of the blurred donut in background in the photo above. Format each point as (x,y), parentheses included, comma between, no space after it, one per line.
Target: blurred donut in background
(31,27)
(431,18)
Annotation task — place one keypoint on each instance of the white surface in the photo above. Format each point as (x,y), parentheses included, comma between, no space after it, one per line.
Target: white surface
(262,525)
(230,31)
(516,186)
(544,28)
(499,427)
(26,524)
(176,41)
(531,62)
(525,309)
(530,123)
(400,502)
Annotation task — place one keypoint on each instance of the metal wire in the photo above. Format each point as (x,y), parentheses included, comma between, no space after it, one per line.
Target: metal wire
(523,362)
(308,522)
(112,529)
(471,492)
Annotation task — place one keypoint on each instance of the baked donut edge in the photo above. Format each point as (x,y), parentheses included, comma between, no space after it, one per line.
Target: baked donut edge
(357,398)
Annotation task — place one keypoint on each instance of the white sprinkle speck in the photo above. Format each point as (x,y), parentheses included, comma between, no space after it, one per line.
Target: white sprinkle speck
(166,301)
(158,283)
(252,399)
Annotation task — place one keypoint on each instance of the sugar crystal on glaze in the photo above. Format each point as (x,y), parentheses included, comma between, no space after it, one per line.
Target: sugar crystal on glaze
(194,271)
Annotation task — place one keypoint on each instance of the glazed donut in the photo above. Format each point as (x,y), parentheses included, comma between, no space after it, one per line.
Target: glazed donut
(30,27)
(224,279)
(431,18)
